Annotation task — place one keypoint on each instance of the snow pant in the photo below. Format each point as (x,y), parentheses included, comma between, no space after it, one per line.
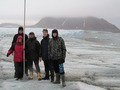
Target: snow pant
(26,68)
(48,67)
(58,68)
(19,69)
(30,65)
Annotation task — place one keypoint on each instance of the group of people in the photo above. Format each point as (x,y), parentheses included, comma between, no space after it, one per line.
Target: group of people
(51,50)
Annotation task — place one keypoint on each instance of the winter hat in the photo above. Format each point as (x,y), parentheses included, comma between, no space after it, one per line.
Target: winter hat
(32,33)
(19,37)
(20,28)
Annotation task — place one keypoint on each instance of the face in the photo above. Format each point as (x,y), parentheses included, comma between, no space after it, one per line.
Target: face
(45,33)
(31,36)
(20,31)
(54,34)
(19,40)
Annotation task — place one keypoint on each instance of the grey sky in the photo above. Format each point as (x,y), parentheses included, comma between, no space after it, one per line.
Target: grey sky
(12,10)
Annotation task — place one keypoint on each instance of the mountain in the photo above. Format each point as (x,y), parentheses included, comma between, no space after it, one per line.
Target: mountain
(9,25)
(85,23)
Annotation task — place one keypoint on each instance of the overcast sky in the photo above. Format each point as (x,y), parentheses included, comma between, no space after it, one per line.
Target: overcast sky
(12,10)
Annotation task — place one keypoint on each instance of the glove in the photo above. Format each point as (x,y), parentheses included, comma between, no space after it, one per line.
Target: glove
(61,61)
(40,59)
(7,55)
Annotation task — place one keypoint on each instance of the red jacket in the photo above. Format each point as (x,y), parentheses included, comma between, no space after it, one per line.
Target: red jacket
(17,49)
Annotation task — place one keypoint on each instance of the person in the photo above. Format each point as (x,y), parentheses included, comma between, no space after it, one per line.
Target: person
(44,50)
(17,49)
(33,54)
(20,33)
(57,53)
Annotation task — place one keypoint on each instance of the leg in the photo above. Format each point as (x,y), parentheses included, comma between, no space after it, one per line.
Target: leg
(63,80)
(15,76)
(51,70)
(20,65)
(62,73)
(56,69)
(17,70)
(26,68)
(46,65)
(30,67)
(36,62)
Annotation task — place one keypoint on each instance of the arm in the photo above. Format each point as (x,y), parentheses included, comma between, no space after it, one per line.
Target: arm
(49,50)
(10,51)
(14,40)
(38,48)
(26,37)
(41,47)
(63,49)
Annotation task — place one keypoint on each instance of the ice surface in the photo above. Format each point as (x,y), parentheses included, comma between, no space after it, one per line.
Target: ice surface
(92,63)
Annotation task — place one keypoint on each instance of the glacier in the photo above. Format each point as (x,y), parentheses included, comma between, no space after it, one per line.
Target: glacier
(92,63)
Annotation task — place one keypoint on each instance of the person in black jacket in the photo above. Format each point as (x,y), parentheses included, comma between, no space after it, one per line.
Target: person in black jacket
(44,51)
(20,33)
(33,54)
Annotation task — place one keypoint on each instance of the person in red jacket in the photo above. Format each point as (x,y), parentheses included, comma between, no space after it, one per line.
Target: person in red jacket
(17,49)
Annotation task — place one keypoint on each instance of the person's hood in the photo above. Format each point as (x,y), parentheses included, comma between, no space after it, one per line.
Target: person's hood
(55,31)
(19,37)
(20,28)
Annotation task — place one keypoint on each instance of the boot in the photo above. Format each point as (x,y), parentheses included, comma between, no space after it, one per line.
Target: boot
(31,76)
(39,76)
(63,81)
(52,78)
(26,73)
(57,79)
(45,78)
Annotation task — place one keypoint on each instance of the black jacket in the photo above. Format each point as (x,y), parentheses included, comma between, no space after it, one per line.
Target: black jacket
(44,47)
(16,36)
(33,49)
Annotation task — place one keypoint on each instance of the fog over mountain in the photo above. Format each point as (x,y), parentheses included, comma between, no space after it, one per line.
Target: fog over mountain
(11,11)
(84,23)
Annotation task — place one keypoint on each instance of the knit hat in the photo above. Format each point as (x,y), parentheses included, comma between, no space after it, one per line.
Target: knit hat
(19,37)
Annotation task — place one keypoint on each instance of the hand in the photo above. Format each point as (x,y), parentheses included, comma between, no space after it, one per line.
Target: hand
(7,55)
(61,61)
(40,59)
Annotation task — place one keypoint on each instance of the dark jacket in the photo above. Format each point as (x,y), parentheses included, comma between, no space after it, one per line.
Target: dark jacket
(33,49)
(57,49)
(44,47)
(16,36)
